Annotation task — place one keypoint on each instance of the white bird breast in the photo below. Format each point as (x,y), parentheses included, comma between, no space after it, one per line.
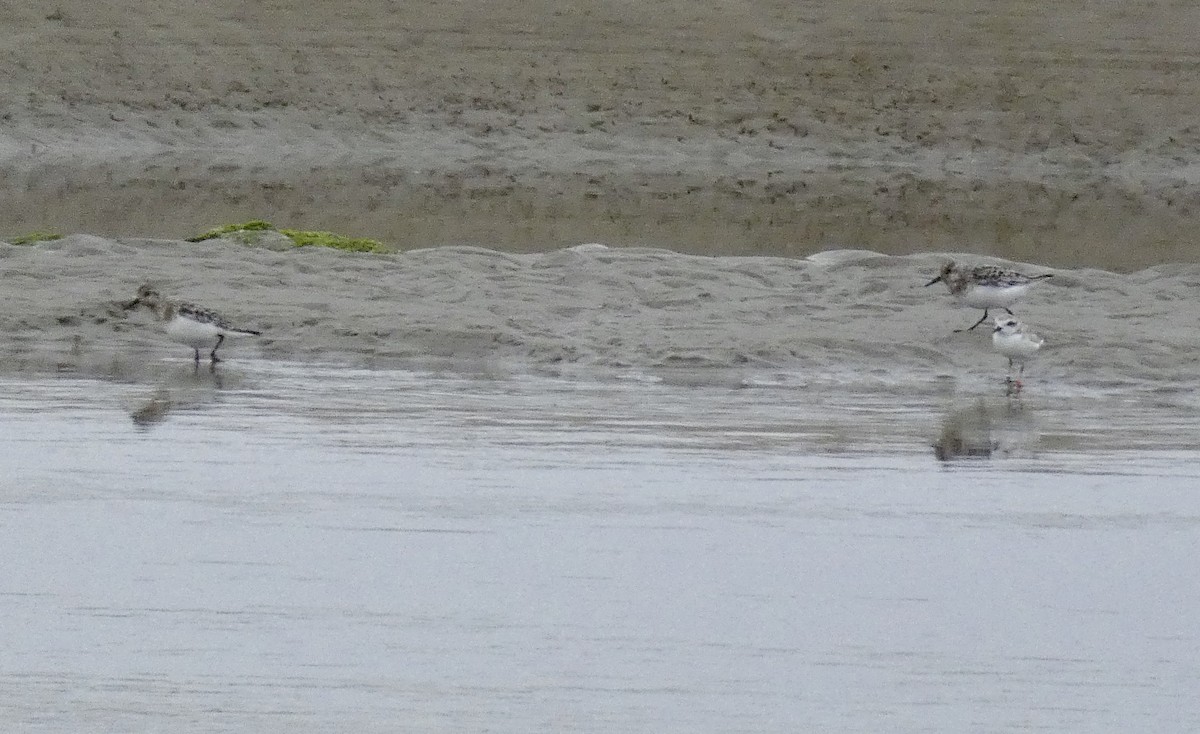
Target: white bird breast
(992,296)
(192,333)
(1015,346)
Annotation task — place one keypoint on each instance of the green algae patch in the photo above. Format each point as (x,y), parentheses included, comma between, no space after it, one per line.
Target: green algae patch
(307,238)
(35,237)
(252,232)
(240,232)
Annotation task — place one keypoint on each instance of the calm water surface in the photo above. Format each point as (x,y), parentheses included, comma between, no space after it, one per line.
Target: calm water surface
(297,548)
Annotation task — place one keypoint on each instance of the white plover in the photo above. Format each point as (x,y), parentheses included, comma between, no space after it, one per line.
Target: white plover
(1010,339)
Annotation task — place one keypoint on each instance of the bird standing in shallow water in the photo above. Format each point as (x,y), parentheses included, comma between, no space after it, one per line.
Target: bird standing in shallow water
(1011,340)
(985,286)
(188,324)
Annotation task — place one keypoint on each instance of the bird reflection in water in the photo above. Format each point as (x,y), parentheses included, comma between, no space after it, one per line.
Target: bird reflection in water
(181,390)
(154,410)
(986,429)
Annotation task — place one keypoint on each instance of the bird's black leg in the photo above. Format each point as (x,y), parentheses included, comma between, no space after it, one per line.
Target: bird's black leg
(213,353)
(197,351)
(977,323)
(1010,313)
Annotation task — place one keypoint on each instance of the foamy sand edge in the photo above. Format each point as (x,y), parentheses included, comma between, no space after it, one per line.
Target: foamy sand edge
(588,308)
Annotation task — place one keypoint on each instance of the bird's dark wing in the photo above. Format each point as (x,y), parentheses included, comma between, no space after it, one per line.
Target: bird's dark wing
(990,275)
(203,315)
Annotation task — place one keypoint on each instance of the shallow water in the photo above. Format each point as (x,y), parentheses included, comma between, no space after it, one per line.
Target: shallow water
(283,547)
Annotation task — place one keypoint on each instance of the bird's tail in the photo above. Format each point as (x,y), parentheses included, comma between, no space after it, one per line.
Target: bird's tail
(1041,277)
(251,332)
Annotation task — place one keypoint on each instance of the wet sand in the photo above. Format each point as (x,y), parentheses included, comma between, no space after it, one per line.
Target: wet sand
(846,315)
(1056,134)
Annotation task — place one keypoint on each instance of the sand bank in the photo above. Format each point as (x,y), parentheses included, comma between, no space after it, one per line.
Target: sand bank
(844,315)
(1057,133)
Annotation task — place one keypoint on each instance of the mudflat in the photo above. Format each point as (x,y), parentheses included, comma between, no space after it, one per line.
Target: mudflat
(1056,133)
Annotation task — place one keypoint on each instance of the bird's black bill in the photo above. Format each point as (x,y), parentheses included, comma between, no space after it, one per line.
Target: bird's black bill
(132,304)
(935,280)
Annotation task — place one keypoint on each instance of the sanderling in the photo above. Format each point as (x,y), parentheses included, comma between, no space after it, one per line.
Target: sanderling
(1010,339)
(985,286)
(191,325)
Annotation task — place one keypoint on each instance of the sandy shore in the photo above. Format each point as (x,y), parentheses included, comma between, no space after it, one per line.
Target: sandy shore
(847,315)
(1057,134)
(483,140)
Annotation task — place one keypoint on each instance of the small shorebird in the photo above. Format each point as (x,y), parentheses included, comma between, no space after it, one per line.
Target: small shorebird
(1011,340)
(985,286)
(188,324)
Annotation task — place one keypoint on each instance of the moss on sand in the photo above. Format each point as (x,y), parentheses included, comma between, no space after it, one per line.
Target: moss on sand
(251,232)
(35,237)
